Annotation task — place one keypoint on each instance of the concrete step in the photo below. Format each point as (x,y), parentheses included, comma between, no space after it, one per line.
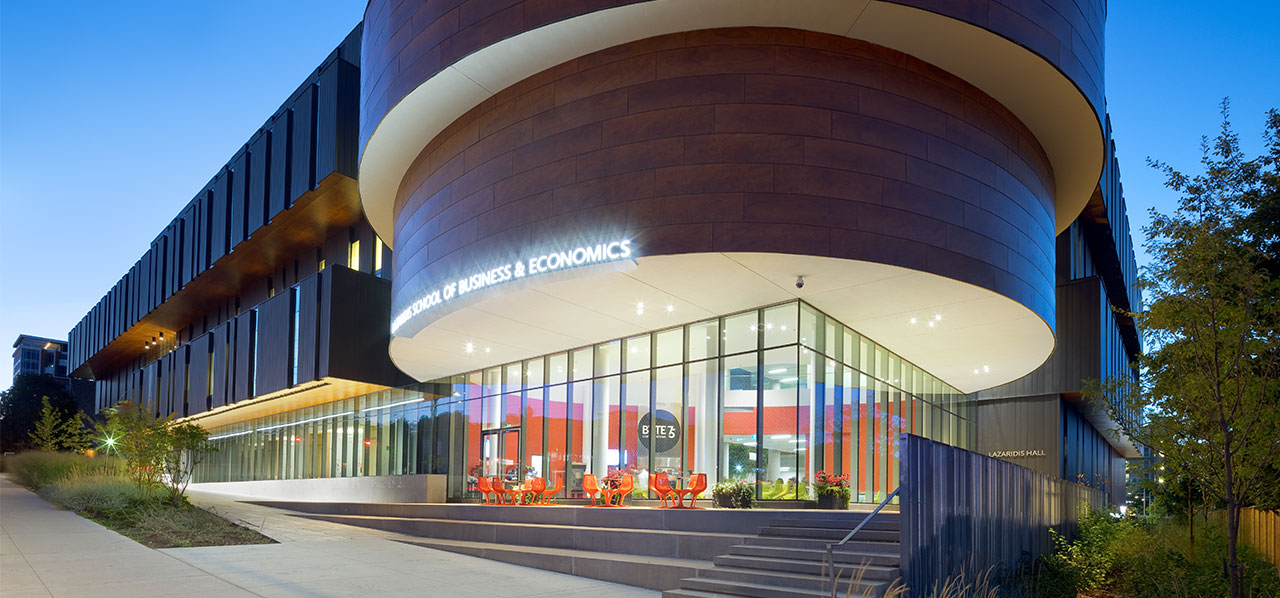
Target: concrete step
(783,579)
(882,521)
(720,587)
(805,566)
(661,543)
(654,573)
(708,520)
(884,559)
(857,544)
(829,534)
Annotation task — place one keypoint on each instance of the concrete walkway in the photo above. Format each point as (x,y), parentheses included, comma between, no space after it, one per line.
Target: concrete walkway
(48,552)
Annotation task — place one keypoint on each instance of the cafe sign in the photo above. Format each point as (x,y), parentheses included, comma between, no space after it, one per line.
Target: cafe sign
(664,427)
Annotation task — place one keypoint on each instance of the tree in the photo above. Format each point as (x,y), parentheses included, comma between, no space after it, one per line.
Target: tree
(139,436)
(55,431)
(155,449)
(186,445)
(44,436)
(1209,400)
(20,407)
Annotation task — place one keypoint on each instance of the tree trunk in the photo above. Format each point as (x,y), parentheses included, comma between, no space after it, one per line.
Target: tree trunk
(1191,521)
(1233,529)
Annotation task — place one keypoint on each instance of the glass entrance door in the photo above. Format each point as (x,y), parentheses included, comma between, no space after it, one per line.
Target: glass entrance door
(501,452)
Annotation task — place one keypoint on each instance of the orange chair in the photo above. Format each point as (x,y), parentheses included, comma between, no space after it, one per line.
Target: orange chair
(696,486)
(661,485)
(535,487)
(553,490)
(486,489)
(624,488)
(501,490)
(590,487)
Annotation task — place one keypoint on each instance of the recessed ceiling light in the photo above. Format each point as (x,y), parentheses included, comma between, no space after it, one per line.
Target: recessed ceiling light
(486,349)
(469,348)
(975,371)
(671,308)
(937,317)
(931,324)
(912,321)
(986,368)
(640,308)
(768,325)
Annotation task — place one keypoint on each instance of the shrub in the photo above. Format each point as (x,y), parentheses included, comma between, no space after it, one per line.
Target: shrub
(741,493)
(38,469)
(95,494)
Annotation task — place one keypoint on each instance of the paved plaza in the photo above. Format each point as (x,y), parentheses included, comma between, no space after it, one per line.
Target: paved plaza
(45,551)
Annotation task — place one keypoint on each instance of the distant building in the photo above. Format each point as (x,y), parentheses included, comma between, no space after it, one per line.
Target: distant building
(39,355)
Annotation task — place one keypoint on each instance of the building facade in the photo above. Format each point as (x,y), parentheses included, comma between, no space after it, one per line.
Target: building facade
(749,239)
(38,355)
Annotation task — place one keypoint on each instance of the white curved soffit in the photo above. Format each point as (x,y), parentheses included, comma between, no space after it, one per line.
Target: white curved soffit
(979,330)
(1034,90)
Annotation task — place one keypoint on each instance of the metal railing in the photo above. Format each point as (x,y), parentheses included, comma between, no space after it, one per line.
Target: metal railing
(829,569)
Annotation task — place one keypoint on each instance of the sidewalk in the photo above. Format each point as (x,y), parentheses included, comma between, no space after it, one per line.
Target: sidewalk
(48,552)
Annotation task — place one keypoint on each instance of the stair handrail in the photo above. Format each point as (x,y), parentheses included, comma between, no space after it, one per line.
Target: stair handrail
(830,568)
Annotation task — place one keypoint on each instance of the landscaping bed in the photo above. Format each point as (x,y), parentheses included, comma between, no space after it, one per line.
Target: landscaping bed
(97,488)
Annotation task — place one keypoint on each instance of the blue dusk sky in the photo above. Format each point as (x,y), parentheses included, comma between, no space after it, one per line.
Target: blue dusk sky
(112,119)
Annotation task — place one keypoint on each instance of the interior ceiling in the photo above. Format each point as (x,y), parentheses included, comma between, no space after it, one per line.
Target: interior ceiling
(979,329)
(1046,101)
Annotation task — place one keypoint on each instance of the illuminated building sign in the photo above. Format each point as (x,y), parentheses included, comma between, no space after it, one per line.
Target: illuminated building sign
(522,268)
(1016,454)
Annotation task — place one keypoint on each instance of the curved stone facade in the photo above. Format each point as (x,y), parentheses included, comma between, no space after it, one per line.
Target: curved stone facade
(739,140)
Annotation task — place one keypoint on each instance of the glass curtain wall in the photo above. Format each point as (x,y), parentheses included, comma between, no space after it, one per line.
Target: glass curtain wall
(770,396)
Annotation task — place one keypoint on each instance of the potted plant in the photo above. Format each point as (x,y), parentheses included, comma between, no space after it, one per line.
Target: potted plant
(734,494)
(833,490)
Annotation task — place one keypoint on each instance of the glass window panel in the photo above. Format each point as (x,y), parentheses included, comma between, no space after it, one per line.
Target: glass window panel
(702,419)
(740,447)
(779,444)
(608,358)
(831,338)
(606,415)
(826,437)
(474,385)
(533,373)
(780,322)
(741,332)
(636,356)
(670,345)
(535,452)
(511,409)
(492,382)
(811,326)
(474,458)
(867,414)
(513,378)
(580,436)
(635,452)
(558,368)
(704,340)
(849,354)
(581,364)
(667,402)
(557,434)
